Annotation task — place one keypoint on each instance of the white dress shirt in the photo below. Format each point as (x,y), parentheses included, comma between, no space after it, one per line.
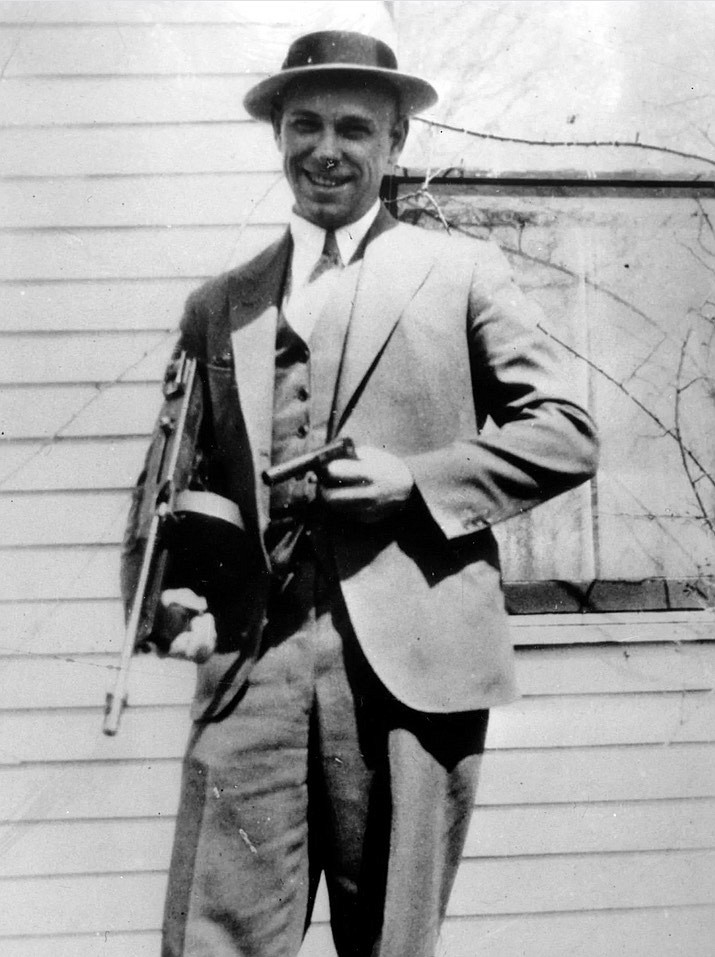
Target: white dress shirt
(303,301)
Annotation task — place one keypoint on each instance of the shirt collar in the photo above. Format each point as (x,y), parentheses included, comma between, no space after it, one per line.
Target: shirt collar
(309,239)
(349,237)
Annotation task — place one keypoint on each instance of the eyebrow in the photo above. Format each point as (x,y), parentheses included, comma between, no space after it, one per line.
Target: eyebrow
(303,112)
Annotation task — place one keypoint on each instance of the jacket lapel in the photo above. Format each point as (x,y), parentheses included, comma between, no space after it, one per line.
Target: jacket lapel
(254,301)
(395,265)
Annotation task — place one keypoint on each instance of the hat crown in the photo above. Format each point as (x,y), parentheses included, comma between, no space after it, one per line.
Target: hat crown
(330,53)
(339,47)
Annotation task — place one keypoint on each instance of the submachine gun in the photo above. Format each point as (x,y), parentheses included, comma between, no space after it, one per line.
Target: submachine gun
(195,538)
(199,531)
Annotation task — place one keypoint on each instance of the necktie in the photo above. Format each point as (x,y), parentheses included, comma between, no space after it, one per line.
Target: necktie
(329,258)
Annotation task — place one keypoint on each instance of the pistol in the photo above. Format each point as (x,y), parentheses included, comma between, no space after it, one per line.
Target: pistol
(310,461)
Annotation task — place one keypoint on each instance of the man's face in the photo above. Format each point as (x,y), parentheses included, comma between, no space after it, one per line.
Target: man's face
(337,143)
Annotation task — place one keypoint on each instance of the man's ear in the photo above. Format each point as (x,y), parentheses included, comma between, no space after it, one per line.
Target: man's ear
(398,135)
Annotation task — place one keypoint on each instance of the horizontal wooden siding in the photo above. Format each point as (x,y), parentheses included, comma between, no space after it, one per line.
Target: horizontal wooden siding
(130,172)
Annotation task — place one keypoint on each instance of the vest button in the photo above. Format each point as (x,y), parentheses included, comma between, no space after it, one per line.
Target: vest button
(302,431)
(303,394)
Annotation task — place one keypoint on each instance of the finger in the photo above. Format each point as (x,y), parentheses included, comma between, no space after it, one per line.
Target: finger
(203,637)
(198,643)
(345,472)
(204,627)
(367,512)
(348,497)
(184,596)
(191,647)
(179,646)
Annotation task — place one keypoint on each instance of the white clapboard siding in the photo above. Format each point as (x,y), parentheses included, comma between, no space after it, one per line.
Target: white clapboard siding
(94,305)
(141,944)
(62,101)
(683,932)
(27,683)
(85,357)
(573,882)
(70,464)
(114,150)
(266,26)
(60,627)
(129,253)
(29,412)
(84,572)
(591,828)
(156,49)
(84,847)
(81,904)
(121,13)
(179,200)
(89,790)
(65,518)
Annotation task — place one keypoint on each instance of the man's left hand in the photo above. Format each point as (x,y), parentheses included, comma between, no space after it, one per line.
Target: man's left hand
(368,488)
(186,625)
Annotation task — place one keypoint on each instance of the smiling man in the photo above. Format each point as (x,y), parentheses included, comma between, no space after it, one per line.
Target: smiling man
(345,684)
(337,144)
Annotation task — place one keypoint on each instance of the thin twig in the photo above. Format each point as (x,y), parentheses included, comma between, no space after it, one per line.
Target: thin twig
(524,141)
(636,401)
(679,437)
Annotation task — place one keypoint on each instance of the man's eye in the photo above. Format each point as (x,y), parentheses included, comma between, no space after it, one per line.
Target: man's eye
(355,132)
(303,126)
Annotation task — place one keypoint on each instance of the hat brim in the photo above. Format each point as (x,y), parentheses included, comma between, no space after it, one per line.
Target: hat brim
(415,94)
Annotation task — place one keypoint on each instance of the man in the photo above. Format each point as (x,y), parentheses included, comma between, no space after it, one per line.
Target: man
(342,701)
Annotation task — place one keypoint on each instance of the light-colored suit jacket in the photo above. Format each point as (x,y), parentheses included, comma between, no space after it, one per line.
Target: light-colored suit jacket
(439,340)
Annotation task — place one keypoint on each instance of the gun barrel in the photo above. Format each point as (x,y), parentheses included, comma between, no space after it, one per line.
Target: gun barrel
(310,461)
(117,697)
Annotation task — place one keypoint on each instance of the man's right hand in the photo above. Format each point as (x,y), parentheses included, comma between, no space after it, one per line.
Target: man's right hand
(185,626)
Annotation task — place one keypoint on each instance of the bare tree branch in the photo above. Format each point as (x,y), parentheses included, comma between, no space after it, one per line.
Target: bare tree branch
(636,401)
(679,390)
(598,144)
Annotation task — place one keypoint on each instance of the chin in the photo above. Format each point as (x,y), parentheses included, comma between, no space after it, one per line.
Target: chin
(327,217)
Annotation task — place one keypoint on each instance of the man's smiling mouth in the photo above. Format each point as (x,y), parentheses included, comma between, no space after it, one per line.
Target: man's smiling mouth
(326,182)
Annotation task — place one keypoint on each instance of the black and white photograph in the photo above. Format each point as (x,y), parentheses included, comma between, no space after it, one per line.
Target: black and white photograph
(357,478)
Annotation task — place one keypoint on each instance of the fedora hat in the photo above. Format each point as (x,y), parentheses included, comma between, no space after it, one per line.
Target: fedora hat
(334,53)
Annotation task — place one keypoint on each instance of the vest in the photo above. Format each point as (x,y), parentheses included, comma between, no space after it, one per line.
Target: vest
(306,376)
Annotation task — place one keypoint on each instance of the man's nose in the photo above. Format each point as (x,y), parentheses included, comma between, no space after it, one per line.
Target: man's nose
(327,149)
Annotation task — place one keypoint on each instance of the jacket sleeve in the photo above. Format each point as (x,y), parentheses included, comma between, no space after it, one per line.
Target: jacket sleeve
(544,442)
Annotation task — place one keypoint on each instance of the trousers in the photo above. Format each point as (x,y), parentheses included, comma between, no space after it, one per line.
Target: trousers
(317,769)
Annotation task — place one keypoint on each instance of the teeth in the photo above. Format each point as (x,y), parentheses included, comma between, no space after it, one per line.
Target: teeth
(323,180)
